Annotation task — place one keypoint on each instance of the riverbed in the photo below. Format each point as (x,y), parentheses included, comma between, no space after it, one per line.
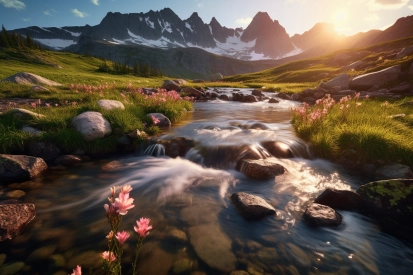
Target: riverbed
(196,228)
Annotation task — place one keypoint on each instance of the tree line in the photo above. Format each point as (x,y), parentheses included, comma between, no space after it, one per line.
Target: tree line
(16,40)
(139,69)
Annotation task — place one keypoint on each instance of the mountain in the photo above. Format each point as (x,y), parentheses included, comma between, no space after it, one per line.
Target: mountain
(263,38)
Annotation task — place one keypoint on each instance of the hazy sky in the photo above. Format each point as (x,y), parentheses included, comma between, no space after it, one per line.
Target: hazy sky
(296,16)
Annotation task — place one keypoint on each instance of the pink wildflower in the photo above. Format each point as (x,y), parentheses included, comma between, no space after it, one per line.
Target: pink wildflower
(108,256)
(143,227)
(33,105)
(122,236)
(123,203)
(47,104)
(126,189)
(77,270)
(155,120)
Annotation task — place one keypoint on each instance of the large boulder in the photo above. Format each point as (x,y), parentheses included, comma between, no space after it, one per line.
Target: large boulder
(354,65)
(108,104)
(261,169)
(92,125)
(278,149)
(171,85)
(159,119)
(13,218)
(322,215)
(249,98)
(251,206)
(366,81)
(30,79)
(20,168)
(341,81)
(339,199)
(389,200)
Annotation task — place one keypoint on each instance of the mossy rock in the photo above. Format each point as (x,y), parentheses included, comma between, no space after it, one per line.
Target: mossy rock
(389,199)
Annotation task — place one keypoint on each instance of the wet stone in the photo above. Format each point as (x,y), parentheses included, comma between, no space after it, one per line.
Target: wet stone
(14,217)
(177,236)
(15,194)
(12,268)
(2,259)
(251,206)
(182,266)
(322,215)
(41,254)
(299,254)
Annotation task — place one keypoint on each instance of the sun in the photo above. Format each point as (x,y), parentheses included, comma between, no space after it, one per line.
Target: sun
(340,17)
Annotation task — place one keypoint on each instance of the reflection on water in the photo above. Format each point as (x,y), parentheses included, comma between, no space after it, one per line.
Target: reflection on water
(196,227)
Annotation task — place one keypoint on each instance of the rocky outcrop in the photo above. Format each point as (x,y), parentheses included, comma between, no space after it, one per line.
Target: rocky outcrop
(389,200)
(30,79)
(92,125)
(366,81)
(339,199)
(342,82)
(261,169)
(108,104)
(251,206)
(171,85)
(20,168)
(14,217)
(159,119)
(197,94)
(322,215)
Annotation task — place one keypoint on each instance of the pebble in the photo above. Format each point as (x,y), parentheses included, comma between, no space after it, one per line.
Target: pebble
(12,268)
(42,253)
(16,194)
(182,266)
(2,259)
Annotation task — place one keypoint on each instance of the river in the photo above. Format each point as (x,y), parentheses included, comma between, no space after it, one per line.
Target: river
(196,228)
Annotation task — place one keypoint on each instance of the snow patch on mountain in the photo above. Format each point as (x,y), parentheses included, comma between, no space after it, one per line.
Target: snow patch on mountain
(45,29)
(293,52)
(160,43)
(150,23)
(75,34)
(55,43)
(189,26)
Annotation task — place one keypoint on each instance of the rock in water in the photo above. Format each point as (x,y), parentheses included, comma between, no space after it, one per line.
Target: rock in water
(20,167)
(340,199)
(322,215)
(251,206)
(260,169)
(213,246)
(13,218)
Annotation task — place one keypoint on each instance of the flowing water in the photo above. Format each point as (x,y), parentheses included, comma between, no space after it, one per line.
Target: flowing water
(196,227)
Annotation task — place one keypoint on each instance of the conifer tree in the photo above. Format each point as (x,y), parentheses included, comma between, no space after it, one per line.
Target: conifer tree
(5,38)
(29,42)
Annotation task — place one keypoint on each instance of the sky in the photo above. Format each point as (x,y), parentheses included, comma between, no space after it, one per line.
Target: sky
(296,16)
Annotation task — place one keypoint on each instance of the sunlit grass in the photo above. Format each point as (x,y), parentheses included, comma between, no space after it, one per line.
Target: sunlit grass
(376,130)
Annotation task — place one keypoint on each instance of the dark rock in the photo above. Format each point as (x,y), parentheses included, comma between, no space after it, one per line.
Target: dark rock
(260,169)
(20,168)
(163,120)
(401,89)
(322,215)
(251,206)
(296,97)
(177,147)
(13,218)
(273,100)
(249,98)
(310,100)
(389,200)
(46,151)
(258,126)
(68,160)
(278,149)
(170,85)
(283,96)
(339,199)
(237,96)
(257,92)
(213,95)
(394,171)
(318,95)
(224,97)
(342,81)
(193,92)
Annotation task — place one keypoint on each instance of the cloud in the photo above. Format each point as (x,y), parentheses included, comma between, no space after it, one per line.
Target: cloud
(96,2)
(386,4)
(244,21)
(14,4)
(372,18)
(295,1)
(410,7)
(200,5)
(78,13)
(26,19)
(49,12)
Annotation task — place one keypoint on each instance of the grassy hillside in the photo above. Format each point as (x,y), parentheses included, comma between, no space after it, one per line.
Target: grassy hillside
(326,67)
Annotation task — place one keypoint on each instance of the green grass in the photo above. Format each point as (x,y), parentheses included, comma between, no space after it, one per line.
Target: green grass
(372,130)
(66,102)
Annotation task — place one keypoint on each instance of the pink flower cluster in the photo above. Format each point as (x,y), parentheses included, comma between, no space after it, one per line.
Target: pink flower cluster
(77,271)
(155,120)
(120,205)
(143,227)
